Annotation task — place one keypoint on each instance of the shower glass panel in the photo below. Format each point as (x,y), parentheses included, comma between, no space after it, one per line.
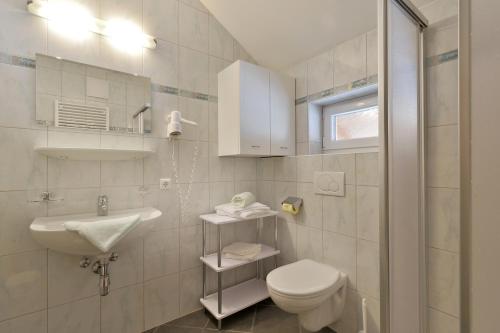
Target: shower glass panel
(403,164)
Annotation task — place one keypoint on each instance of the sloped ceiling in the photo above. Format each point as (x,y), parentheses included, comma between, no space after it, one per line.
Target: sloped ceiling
(279,33)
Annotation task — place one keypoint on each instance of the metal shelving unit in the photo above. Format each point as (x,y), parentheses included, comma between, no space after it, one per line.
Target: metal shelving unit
(226,302)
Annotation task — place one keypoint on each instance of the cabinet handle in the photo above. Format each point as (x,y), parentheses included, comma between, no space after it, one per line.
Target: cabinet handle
(255,146)
(283,147)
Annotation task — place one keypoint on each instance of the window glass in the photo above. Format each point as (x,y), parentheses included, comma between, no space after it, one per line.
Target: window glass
(356,124)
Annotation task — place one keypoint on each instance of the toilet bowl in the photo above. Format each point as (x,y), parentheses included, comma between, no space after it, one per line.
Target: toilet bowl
(314,291)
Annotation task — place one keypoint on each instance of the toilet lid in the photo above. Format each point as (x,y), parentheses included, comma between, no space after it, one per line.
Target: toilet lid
(304,277)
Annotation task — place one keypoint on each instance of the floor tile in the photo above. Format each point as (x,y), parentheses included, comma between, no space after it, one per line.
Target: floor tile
(198,319)
(271,319)
(241,321)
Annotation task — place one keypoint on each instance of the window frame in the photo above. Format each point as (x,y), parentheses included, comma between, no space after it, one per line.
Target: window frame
(347,106)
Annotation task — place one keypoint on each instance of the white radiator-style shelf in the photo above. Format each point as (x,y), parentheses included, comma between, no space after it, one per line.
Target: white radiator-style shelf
(237,298)
(228,264)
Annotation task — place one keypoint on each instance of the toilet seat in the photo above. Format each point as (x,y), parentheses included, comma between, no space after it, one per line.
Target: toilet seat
(304,279)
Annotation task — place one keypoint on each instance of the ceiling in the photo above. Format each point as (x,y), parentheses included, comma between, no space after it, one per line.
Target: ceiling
(279,33)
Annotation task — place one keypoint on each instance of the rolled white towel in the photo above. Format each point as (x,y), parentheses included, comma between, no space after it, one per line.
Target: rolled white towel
(243,200)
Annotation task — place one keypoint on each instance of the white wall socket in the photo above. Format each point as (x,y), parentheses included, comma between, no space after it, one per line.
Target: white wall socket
(165,183)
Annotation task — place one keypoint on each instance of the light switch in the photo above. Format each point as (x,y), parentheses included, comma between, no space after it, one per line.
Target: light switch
(329,183)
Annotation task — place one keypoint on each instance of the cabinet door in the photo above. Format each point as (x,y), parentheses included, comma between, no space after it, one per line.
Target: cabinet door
(282,114)
(254,110)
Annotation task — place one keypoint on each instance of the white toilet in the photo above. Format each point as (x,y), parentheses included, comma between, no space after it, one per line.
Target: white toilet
(314,291)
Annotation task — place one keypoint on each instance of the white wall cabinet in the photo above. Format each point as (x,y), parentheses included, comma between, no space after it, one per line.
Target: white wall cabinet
(256,115)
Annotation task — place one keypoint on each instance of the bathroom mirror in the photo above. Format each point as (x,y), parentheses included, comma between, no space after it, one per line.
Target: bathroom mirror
(80,96)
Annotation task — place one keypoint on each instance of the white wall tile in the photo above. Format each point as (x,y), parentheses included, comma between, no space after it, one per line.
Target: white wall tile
(71,174)
(367,212)
(16,214)
(186,153)
(349,61)
(190,247)
(121,173)
(193,70)
(67,281)
(285,168)
(442,92)
(309,243)
(287,242)
(125,306)
(265,169)
(24,283)
(128,9)
(441,38)
(220,40)
(30,36)
(440,322)
(372,53)
(190,290)
(79,200)
(161,64)
(320,73)
(245,169)
(86,50)
(77,317)
(367,268)
(340,252)
(444,218)
(161,301)
(442,156)
(301,123)
(311,213)
(220,193)
(221,168)
(367,169)
(341,163)
(17,95)
(193,28)
(129,268)
(199,203)
(195,4)
(339,213)
(299,72)
(443,281)
(161,253)
(212,120)
(31,323)
(265,192)
(307,166)
(160,165)
(29,166)
(168,203)
(216,65)
(195,110)
(160,19)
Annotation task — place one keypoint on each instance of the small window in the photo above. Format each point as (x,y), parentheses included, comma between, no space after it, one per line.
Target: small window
(351,124)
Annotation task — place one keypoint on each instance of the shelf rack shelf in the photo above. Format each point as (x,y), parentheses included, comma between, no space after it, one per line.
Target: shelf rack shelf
(226,302)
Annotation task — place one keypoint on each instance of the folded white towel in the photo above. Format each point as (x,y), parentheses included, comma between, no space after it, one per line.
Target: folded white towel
(254,213)
(229,208)
(104,234)
(242,251)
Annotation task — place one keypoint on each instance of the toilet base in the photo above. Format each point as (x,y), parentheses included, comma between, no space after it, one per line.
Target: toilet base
(325,314)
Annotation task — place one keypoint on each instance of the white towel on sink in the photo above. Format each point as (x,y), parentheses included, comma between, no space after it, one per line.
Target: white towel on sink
(106,233)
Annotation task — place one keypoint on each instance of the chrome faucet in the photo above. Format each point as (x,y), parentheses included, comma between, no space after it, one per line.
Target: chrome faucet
(102,205)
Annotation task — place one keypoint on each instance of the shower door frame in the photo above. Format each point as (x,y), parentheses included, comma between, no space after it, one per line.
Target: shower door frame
(383,93)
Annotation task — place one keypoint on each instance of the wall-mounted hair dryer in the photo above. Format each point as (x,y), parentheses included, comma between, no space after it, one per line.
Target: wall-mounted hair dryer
(174,123)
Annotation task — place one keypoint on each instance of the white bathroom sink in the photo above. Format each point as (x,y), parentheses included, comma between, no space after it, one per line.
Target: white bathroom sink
(51,233)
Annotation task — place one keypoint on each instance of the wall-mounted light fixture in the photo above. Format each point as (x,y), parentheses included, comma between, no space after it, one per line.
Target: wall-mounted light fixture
(76,19)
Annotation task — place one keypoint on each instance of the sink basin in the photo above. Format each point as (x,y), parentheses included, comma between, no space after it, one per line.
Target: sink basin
(51,233)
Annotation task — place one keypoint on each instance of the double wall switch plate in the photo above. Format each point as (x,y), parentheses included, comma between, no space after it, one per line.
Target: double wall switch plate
(329,183)
(165,184)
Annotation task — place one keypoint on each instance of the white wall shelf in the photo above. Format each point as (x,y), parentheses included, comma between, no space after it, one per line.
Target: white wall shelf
(93,154)
(237,298)
(228,264)
(226,302)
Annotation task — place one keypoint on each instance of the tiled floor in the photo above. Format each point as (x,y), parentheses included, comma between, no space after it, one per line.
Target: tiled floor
(264,317)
